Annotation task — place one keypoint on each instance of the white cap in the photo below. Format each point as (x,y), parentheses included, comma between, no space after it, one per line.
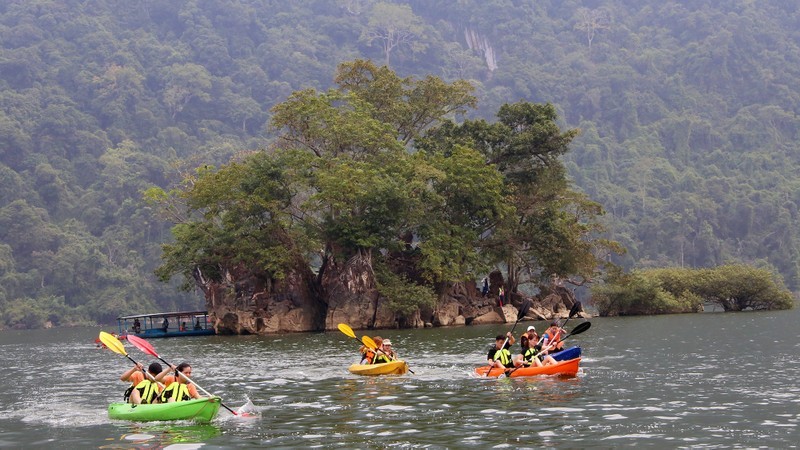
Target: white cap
(531,328)
(387,342)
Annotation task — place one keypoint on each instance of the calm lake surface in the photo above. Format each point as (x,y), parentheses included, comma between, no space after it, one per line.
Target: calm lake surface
(713,380)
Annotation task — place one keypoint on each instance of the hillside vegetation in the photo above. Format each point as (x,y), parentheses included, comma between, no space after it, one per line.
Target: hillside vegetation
(687,112)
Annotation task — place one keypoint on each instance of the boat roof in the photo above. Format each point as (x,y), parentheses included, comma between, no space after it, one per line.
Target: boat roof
(166,314)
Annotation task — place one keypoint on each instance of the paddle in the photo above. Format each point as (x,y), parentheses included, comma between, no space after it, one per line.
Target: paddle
(370,343)
(344,328)
(577,330)
(114,344)
(145,346)
(523,310)
(576,308)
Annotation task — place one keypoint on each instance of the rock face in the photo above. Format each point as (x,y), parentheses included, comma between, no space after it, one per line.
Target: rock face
(244,302)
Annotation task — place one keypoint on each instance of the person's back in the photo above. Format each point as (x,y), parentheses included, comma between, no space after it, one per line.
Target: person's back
(143,389)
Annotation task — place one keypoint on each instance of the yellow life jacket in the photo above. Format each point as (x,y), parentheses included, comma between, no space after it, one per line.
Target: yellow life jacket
(504,356)
(148,390)
(177,391)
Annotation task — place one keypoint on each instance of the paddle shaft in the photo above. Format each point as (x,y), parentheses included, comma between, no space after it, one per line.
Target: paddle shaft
(522,312)
(576,308)
(198,386)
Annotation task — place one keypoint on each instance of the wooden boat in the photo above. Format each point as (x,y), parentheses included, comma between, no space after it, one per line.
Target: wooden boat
(390,368)
(563,368)
(199,410)
(171,324)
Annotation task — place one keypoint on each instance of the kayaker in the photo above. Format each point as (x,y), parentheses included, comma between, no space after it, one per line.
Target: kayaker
(178,388)
(143,389)
(552,336)
(499,355)
(531,355)
(532,334)
(387,349)
(368,354)
(380,356)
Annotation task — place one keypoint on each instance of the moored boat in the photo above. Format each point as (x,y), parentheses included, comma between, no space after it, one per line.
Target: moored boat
(170,324)
(199,410)
(390,368)
(562,368)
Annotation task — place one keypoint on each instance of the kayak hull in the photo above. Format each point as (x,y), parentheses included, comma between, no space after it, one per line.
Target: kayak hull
(198,410)
(562,368)
(567,354)
(391,368)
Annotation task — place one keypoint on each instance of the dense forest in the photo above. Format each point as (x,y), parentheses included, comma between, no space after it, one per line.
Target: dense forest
(687,116)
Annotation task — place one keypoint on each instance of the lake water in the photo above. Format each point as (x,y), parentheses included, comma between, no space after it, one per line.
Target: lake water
(713,380)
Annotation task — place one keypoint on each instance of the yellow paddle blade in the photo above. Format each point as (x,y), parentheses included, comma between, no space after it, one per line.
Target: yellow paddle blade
(366,340)
(344,328)
(110,341)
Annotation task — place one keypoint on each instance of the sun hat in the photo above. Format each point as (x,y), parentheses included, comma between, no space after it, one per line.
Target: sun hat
(387,342)
(531,328)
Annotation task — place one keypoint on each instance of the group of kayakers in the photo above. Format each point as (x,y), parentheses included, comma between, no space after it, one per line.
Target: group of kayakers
(159,386)
(382,353)
(534,349)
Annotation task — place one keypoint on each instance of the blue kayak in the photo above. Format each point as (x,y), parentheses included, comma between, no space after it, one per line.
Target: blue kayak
(567,354)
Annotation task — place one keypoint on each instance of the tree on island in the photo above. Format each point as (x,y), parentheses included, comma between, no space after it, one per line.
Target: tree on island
(371,175)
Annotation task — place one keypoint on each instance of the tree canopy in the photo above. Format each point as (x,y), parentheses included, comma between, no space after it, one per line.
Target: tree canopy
(687,111)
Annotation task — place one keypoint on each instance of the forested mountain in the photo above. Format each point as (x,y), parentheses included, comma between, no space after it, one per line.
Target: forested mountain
(688,113)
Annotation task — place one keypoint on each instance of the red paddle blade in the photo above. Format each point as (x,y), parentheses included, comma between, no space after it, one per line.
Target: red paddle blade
(142,345)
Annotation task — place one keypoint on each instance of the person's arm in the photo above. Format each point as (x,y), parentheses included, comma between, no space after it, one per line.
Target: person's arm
(511,340)
(193,391)
(164,373)
(127,375)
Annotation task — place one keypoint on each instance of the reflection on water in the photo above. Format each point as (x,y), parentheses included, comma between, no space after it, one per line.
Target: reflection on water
(705,380)
(164,436)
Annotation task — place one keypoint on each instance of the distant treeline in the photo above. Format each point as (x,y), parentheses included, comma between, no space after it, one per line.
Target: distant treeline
(687,111)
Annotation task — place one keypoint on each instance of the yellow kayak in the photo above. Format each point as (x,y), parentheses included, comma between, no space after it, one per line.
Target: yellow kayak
(391,368)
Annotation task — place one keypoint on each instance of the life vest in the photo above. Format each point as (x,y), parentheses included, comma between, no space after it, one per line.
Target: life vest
(380,359)
(504,356)
(368,356)
(553,341)
(530,353)
(177,391)
(148,390)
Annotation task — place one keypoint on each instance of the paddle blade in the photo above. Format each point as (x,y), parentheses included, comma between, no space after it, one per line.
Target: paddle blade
(523,310)
(580,328)
(576,308)
(344,328)
(110,341)
(366,340)
(142,345)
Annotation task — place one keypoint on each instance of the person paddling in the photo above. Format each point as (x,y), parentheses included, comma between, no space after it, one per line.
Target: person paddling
(177,387)
(143,389)
(551,337)
(499,355)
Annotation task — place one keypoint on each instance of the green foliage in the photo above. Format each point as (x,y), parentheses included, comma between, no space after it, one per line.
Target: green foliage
(688,116)
(675,290)
(404,296)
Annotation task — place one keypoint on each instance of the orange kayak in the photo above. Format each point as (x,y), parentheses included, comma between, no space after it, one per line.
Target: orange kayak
(564,368)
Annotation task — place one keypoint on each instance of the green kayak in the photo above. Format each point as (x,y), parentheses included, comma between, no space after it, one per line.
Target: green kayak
(199,410)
